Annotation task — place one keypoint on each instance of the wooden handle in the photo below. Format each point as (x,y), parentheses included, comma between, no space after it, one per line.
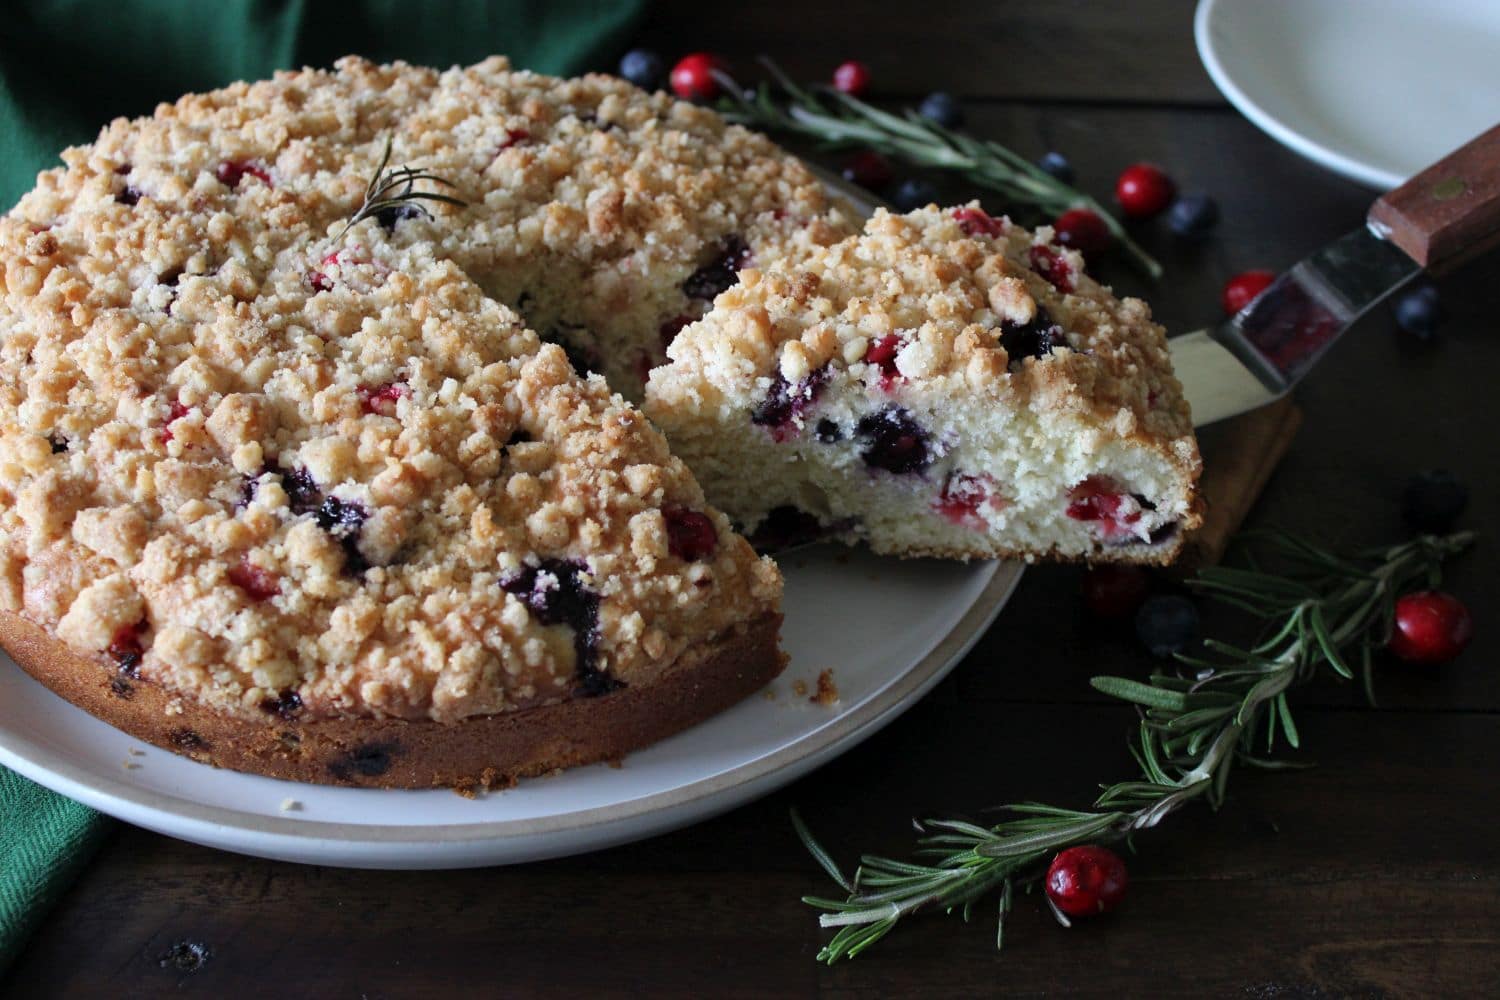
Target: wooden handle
(1450,212)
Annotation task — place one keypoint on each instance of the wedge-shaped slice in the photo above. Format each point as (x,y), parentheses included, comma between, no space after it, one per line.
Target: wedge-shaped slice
(945,384)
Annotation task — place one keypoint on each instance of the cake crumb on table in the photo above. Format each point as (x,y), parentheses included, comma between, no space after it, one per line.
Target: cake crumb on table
(799,688)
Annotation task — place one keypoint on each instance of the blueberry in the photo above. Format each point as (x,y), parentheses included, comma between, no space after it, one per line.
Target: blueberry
(1419,312)
(1193,216)
(914,193)
(643,68)
(942,108)
(1166,624)
(555,594)
(896,442)
(1034,340)
(389,217)
(719,274)
(1433,500)
(1057,165)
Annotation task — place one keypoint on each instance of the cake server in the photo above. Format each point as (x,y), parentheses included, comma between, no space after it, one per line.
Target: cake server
(1445,215)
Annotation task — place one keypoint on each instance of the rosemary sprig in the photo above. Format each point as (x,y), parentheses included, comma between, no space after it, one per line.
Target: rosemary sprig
(1320,611)
(839,120)
(392,189)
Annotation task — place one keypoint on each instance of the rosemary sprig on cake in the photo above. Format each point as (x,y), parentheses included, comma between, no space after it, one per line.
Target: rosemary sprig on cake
(840,120)
(1322,613)
(392,194)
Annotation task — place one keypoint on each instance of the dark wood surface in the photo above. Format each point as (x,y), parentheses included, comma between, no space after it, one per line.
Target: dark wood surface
(1375,874)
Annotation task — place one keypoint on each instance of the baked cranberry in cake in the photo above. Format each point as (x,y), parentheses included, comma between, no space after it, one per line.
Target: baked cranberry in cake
(690,533)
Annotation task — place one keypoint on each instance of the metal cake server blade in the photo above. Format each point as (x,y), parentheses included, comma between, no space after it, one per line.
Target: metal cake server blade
(1443,216)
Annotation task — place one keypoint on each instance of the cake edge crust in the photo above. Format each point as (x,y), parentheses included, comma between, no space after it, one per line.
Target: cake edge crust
(491,751)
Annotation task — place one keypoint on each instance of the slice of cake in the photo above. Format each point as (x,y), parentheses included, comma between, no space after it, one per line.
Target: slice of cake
(945,384)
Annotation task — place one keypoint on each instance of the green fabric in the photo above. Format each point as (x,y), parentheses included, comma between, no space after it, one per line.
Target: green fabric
(69,66)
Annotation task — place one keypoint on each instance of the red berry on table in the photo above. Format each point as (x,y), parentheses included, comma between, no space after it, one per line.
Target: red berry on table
(693,76)
(852,77)
(1115,591)
(868,169)
(1242,289)
(1082,230)
(1143,190)
(1431,627)
(1087,880)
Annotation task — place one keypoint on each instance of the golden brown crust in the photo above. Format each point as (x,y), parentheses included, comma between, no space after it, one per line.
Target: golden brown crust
(484,752)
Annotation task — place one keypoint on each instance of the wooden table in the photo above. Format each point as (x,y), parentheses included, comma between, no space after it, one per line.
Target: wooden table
(1376,873)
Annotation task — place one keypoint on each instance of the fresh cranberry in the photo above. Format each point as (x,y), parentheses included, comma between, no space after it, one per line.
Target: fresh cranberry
(785,402)
(1431,627)
(231,172)
(1143,190)
(897,443)
(257,583)
(1115,591)
(125,648)
(382,399)
(1053,266)
(852,77)
(1031,340)
(868,169)
(720,273)
(1088,880)
(963,497)
(882,354)
(1242,289)
(1082,230)
(693,76)
(555,594)
(978,222)
(690,534)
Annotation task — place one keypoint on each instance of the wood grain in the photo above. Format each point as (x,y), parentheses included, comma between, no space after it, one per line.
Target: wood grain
(1450,212)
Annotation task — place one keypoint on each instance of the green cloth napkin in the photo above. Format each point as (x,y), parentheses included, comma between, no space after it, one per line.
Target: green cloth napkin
(68,66)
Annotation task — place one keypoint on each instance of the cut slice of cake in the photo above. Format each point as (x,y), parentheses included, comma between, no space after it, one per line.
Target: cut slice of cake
(945,384)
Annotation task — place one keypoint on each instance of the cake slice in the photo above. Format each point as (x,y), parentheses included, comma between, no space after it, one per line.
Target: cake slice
(944,384)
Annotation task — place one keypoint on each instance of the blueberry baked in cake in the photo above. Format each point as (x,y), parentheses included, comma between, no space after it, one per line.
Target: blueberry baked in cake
(943,384)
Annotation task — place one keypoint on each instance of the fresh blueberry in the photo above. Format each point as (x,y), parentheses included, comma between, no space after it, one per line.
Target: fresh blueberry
(1057,165)
(643,68)
(1419,312)
(1166,624)
(942,108)
(914,193)
(1433,500)
(1193,216)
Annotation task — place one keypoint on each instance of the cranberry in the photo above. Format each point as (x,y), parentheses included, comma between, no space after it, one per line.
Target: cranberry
(1242,289)
(555,594)
(1115,591)
(1053,266)
(868,169)
(785,402)
(1082,230)
(382,398)
(1143,190)
(514,137)
(319,281)
(1084,881)
(1033,340)
(693,76)
(897,443)
(125,648)
(231,172)
(690,534)
(962,498)
(1431,627)
(257,583)
(1100,499)
(882,354)
(719,274)
(977,222)
(852,77)
(175,412)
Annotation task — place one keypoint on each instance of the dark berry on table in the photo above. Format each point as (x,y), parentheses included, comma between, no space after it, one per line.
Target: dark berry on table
(1082,230)
(555,594)
(828,432)
(259,584)
(130,196)
(693,76)
(784,402)
(1052,266)
(1115,591)
(231,172)
(978,222)
(1057,165)
(301,490)
(943,108)
(1144,190)
(868,169)
(1433,500)
(1193,216)
(895,441)
(185,956)
(1419,311)
(287,705)
(643,68)
(882,354)
(690,534)
(126,649)
(1431,627)
(1087,880)
(852,78)
(962,498)
(721,272)
(382,399)
(1031,340)
(914,193)
(1166,624)
(389,217)
(1241,290)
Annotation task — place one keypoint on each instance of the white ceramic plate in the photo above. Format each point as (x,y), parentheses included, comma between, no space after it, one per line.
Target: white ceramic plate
(889,630)
(1373,89)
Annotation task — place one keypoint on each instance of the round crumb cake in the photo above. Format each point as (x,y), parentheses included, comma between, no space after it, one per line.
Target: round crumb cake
(320,504)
